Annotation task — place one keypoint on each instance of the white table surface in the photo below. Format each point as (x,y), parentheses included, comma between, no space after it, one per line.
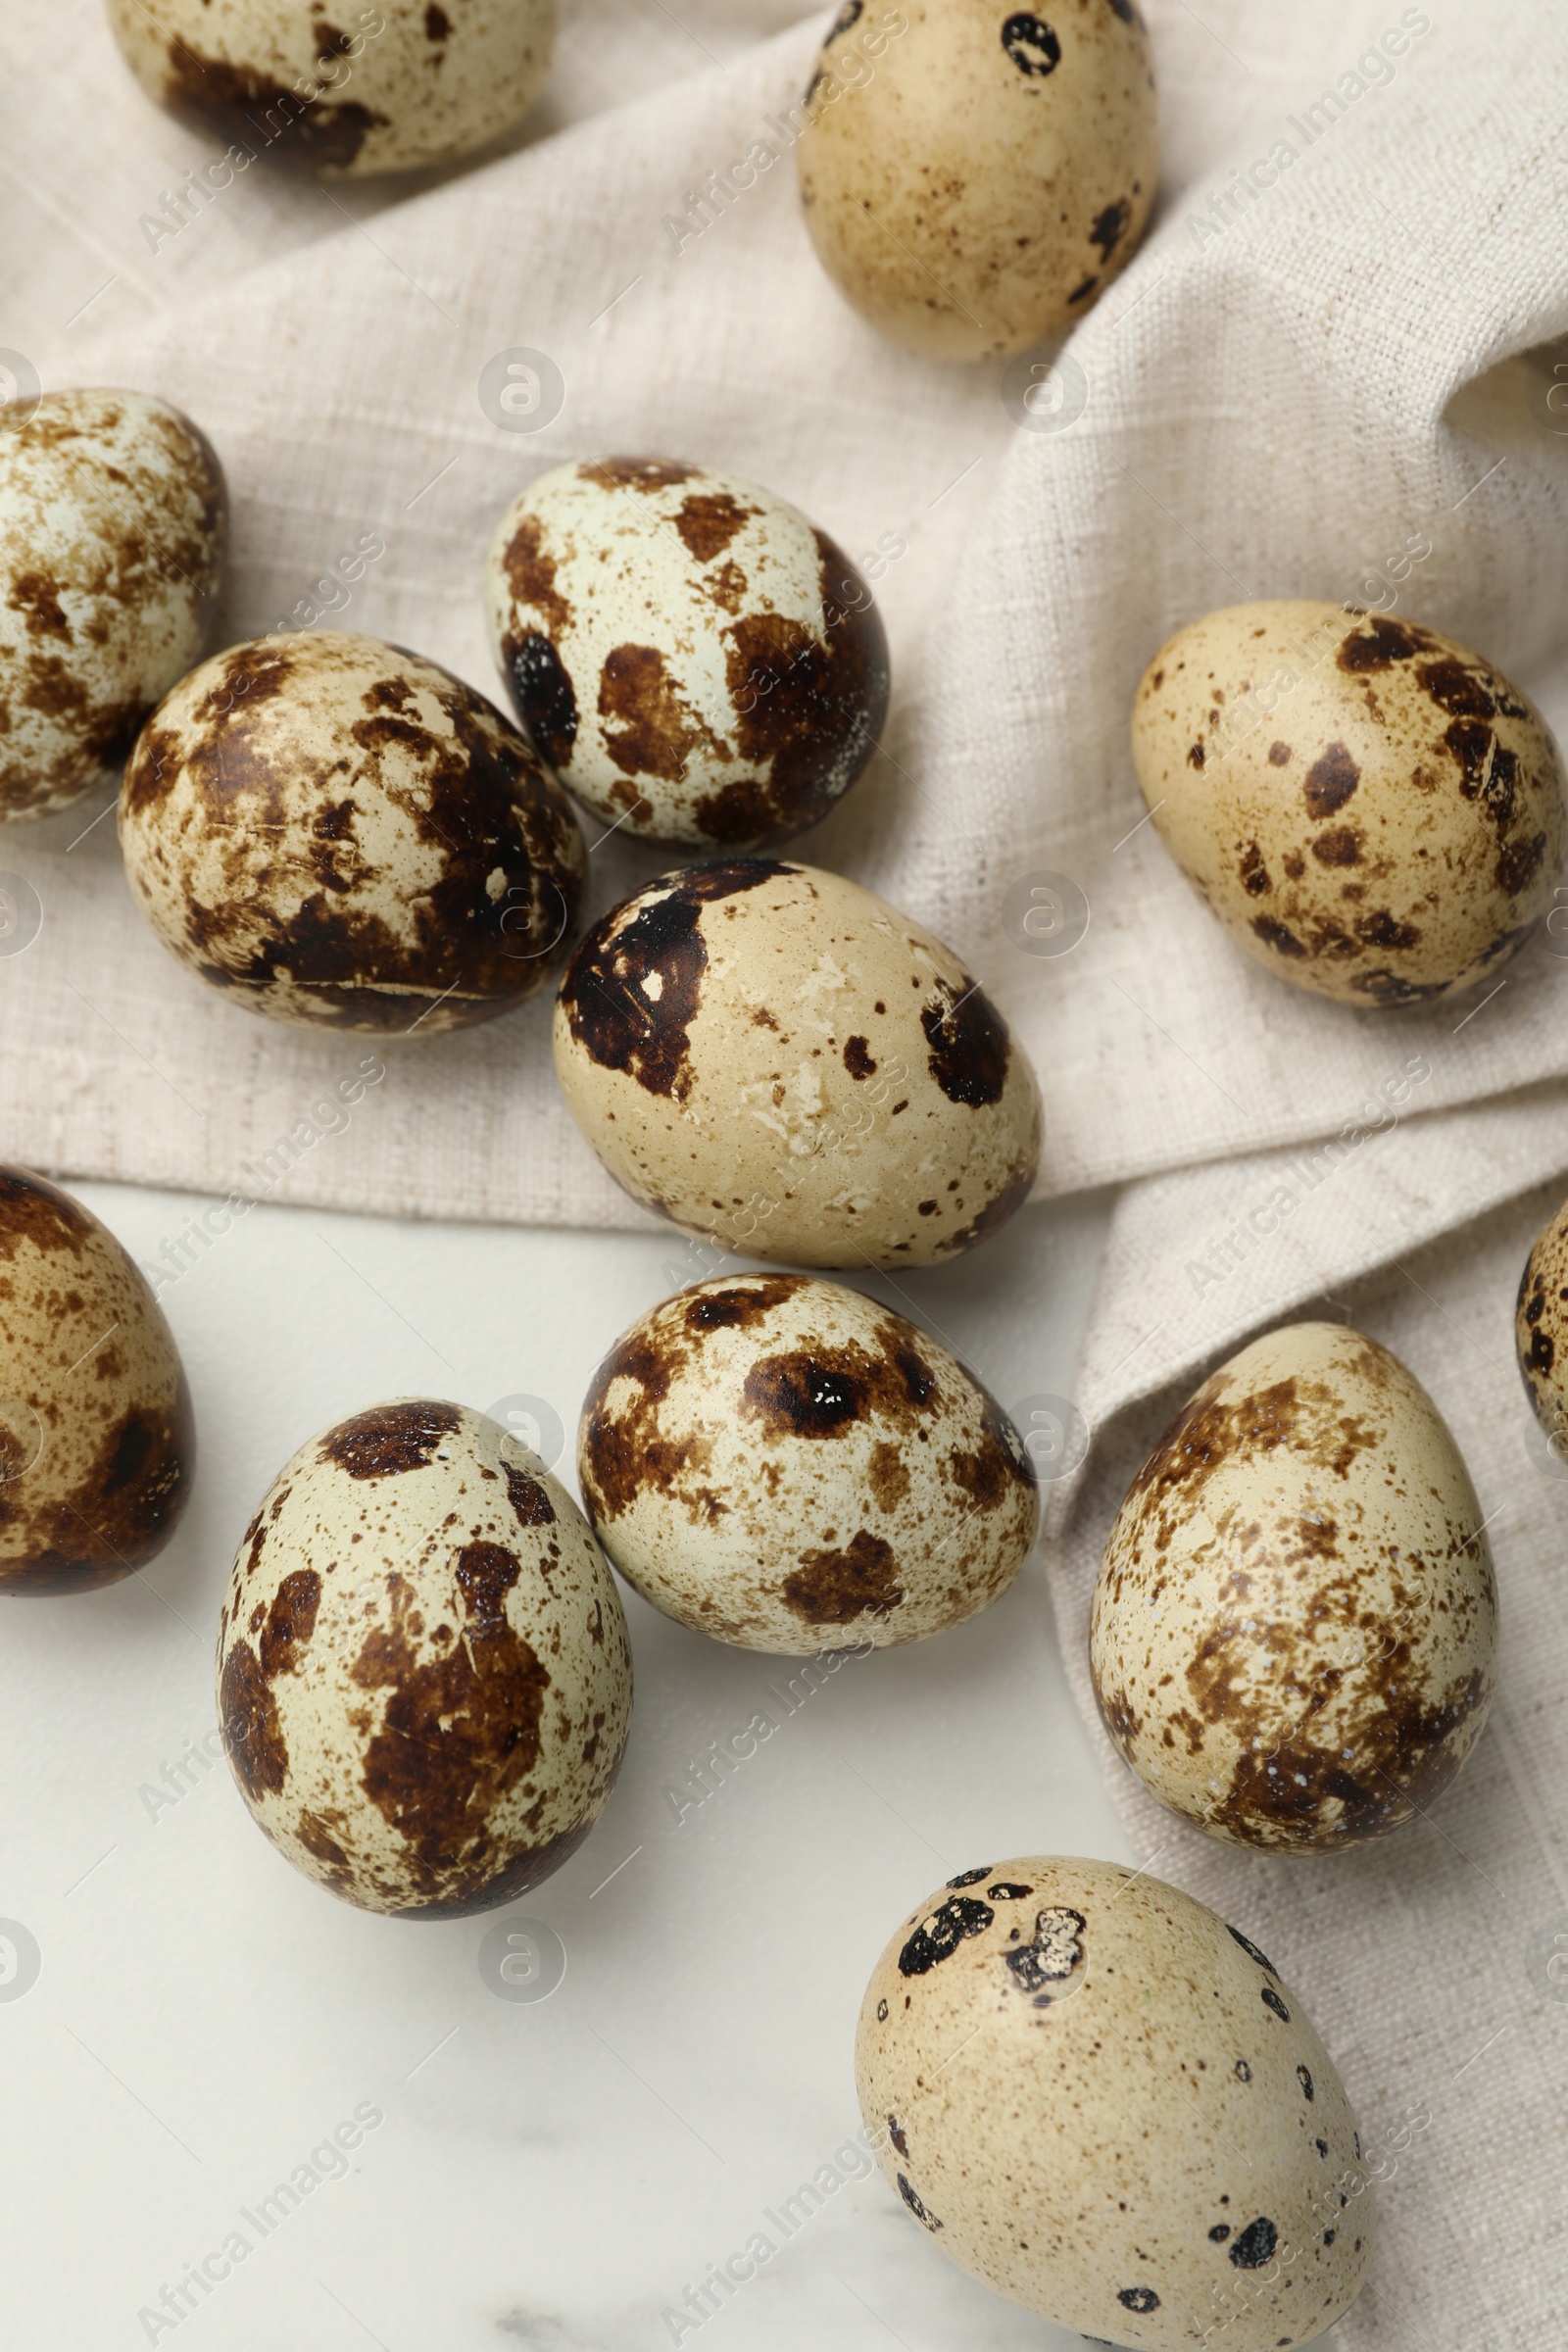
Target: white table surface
(552,2172)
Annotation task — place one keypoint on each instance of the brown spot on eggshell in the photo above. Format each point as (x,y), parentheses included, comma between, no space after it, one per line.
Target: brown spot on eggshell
(247,1713)
(657,730)
(707,524)
(835,1587)
(1330,780)
(633,986)
(390,1439)
(968,1042)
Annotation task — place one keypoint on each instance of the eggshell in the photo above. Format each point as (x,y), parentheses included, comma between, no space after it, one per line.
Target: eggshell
(339,832)
(1098,2098)
(1294,1626)
(97,1442)
(973,176)
(698,663)
(424,1676)
(114,522)
(375,89)
(788,1465)
(1541,1328)
(1370,809)
(780,1062)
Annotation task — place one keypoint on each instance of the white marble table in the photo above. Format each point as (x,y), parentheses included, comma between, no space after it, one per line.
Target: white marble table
(460,2169)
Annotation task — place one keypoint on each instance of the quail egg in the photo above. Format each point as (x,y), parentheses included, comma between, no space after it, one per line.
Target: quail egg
(113,529)
(1094,2094)
(97,1442)
(697,662)
(424,1676)
(1370,809)
(1541,1328)
(783,1063)
(786,1464)
(401,84)
(973,176)
(1294,1628)
(338,832)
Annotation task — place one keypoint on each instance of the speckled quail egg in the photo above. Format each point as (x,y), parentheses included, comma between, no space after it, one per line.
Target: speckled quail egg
(1294,1626)
(696,660)
(113,527)
(1098,2098)
(424,1676)
(337,831)
(973,176)
(1371,811)
(784,1064)
(1541,1328)
(788,1465)
(338,91)
(97,1443)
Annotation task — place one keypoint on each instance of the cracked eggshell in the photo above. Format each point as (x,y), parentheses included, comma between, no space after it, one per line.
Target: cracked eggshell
(1294,1628)
(423,1674)
(341,833)
(788,1465)
(1098,2098)
(375,89)
(973,176)
(1370,809)
(97,1440)
(114,524)
(1541,1331)
(784,1064)
(696,660)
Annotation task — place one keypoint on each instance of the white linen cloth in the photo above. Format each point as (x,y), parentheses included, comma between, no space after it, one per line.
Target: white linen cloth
(1341,384)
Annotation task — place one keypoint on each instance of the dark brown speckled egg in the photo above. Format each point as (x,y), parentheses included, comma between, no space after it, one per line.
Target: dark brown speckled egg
(338,832)
(1294,1628)
(783,1463)
(423,1673)
(1370,809)
(698,662)
(97,1442)
(114,525)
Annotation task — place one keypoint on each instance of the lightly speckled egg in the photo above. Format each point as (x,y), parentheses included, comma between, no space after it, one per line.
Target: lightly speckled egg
(1370,809)
(339,91)
(114,522)
(97,1442)
(423,1674)
(697,662)
(1098,2098)
(1294,1628)
(973,176)
(337,831)
(1541,1331)
(790,1466)
(784,1064)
